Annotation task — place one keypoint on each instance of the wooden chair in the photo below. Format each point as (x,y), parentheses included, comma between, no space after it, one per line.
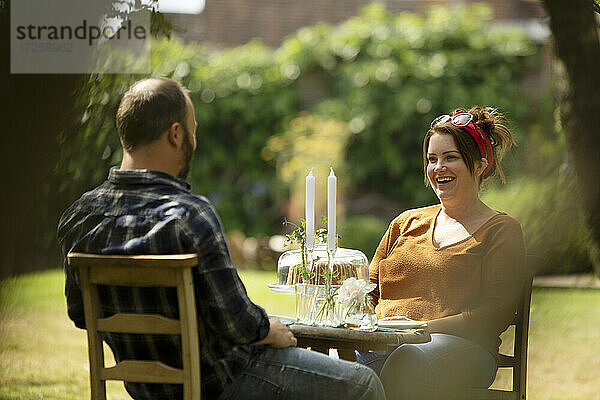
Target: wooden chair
(140,271)
(518,361)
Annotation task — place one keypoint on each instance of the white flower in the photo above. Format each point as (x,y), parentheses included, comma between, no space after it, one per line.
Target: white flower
(352,290)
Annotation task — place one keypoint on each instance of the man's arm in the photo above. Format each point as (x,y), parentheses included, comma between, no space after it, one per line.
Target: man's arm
(221,298)
(72,289)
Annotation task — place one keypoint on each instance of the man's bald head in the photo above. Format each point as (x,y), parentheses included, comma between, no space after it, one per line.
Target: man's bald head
(149,108)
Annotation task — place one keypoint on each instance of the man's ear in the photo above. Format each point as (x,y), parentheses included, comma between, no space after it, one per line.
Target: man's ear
(175,134)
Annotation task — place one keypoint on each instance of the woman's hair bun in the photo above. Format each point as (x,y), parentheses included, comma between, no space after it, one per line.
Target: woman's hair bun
(492,123)
(485,118)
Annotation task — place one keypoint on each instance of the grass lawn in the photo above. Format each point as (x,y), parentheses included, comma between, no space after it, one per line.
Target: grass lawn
(43,356)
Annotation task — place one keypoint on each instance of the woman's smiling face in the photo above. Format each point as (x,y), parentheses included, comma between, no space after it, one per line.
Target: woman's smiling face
(447,172)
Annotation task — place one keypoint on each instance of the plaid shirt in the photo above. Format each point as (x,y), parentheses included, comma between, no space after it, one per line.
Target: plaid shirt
(150,212)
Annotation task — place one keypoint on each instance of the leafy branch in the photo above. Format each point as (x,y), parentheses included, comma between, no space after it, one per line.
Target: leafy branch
(330,293)
(298,236)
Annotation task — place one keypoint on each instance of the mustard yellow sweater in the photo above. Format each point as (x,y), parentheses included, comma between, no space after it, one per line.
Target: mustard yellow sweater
(479,277)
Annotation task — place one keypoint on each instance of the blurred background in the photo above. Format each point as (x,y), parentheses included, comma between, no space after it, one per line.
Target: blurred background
(282,86)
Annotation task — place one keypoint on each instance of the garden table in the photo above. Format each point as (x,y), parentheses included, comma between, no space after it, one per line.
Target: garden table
(346,340)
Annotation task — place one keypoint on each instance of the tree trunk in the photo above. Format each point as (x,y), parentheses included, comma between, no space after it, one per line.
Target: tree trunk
(575,30)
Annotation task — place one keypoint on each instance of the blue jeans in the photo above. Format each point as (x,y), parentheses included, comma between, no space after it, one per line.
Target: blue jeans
(434,370)
(293,373)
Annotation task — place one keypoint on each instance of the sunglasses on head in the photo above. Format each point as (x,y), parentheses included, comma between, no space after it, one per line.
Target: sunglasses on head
(464,120)
(460,119)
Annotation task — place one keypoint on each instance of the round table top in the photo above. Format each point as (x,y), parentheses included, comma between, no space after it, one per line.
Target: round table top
(359,338)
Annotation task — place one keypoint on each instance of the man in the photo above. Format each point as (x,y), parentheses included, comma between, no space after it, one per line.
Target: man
(146,207)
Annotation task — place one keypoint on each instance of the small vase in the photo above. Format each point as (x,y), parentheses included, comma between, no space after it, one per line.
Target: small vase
(361,316)
(306,296)
(326,314)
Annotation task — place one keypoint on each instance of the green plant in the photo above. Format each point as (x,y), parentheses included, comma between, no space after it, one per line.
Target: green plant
(328,306)
(383,77)
(308,142)
(387,76)
(298,237)
(325,313)
(241,98)
(363,232)
(555,236)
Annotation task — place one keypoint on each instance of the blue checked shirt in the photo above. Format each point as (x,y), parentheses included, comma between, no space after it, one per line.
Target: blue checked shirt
(150,212)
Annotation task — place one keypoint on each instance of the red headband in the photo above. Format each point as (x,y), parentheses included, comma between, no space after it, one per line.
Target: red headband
(483,142)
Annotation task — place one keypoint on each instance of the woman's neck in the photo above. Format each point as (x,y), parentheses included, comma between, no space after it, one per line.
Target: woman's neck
(464,210)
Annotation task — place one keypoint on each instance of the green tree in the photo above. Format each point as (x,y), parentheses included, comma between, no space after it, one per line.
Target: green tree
(388,76)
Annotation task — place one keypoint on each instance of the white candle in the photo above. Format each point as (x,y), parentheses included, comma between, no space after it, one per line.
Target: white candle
(310,210)
(331,199)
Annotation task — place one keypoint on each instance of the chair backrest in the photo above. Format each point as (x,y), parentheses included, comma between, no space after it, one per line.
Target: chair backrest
(518,361)
(140,271)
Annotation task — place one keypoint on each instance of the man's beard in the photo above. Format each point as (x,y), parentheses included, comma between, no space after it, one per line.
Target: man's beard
(188,154)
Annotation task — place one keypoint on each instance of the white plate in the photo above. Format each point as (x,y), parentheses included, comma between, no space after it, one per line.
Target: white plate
(401,324)
(282,289)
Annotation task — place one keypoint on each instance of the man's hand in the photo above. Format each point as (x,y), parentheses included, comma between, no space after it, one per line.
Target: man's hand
(279,335)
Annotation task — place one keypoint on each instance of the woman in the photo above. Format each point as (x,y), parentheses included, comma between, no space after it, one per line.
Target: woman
(458,265)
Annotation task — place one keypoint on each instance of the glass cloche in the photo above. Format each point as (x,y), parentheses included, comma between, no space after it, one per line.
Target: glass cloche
(347,263)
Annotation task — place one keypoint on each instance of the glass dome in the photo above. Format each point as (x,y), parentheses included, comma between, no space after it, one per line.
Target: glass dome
(346,263)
